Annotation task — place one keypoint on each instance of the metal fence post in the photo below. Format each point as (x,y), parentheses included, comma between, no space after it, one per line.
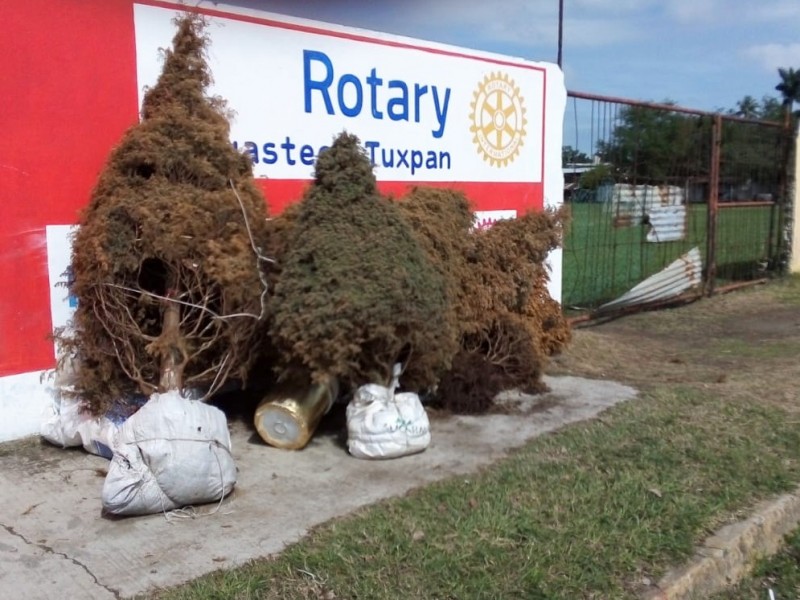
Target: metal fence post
(713,204)
(784,205)
(794,265)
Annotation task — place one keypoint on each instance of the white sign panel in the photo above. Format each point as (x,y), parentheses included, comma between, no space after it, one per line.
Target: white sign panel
(423,112)
(59,255)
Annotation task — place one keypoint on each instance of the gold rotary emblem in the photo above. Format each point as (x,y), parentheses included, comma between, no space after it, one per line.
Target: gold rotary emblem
(498,119)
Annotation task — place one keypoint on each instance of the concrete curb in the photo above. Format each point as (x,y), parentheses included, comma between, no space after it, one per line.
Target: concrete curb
(728,555)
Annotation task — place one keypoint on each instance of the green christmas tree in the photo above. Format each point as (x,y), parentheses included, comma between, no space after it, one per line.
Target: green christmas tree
(357,292)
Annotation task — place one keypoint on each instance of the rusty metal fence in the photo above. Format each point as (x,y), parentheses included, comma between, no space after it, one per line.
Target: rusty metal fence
(667,202)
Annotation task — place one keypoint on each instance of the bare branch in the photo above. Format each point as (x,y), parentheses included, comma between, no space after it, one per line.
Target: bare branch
(261,274)
(176,301)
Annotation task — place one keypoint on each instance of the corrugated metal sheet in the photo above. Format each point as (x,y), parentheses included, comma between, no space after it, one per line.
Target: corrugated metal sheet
(667,223)
(679,276)
(635,201)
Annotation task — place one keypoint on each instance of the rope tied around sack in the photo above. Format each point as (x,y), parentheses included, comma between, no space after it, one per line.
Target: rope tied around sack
(189,511)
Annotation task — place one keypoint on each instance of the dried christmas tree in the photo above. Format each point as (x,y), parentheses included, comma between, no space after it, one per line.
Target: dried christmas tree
(356,291)
(509,323)
(441,220)
(496,283)
(168,277)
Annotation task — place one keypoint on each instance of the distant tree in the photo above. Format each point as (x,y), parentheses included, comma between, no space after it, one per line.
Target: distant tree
(771,109)
(752,155)
(652,144)
(597,176)
(789,87)
(748,107)
(570,155)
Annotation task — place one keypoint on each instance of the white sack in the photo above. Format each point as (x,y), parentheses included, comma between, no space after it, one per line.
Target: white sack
(66,424)
(382,424)
(172,453)
(62,423)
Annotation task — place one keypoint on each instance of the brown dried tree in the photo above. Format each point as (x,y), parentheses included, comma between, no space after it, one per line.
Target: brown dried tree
(506,323)
(441,220)
(170,281)
(509,322)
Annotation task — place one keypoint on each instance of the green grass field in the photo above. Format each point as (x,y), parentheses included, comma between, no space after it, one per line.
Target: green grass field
(602,261)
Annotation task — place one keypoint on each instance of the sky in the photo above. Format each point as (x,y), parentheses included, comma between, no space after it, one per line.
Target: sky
(703,54)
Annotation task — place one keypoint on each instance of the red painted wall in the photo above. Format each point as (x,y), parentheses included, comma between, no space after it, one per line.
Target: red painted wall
(67,94)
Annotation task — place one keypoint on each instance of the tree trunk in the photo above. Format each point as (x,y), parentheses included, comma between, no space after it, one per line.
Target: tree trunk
(172,357)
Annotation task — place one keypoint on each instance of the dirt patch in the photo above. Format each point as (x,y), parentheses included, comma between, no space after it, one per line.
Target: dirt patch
(742,344)
(776,323)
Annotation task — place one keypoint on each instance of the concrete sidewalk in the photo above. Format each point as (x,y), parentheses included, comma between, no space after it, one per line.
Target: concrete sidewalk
(54,542)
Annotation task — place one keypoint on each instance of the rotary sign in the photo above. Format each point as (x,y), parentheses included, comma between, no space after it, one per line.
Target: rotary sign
(426,114)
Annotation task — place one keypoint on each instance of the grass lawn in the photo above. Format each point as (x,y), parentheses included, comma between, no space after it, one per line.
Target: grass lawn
(601,261)
(597,510)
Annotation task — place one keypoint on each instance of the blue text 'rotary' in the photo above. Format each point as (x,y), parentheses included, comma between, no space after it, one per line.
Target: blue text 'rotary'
(396,100)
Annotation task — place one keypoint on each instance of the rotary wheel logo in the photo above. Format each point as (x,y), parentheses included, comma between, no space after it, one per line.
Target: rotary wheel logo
(498,119)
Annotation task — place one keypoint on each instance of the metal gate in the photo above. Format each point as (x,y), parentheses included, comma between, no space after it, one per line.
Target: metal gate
(668,202)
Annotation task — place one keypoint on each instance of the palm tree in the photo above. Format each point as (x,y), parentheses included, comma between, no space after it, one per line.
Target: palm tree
(789,87)
(771,108)
(748,107)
